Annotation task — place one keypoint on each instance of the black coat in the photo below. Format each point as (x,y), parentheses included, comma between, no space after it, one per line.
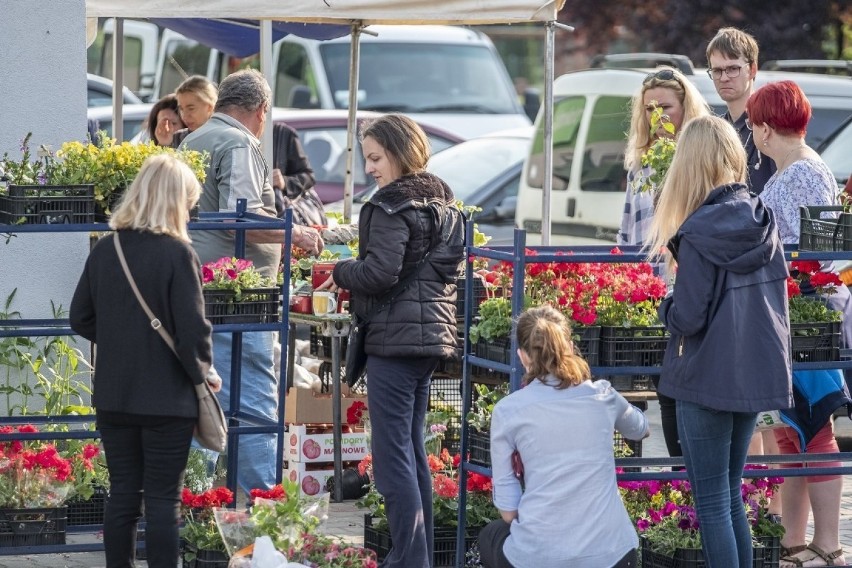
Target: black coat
(135,371)
(299,181)
(728,316)
(397,227)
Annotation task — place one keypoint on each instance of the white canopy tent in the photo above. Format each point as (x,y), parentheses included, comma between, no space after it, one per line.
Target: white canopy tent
(358,14)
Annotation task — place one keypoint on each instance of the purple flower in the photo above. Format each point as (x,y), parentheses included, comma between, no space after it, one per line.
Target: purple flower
(42,179)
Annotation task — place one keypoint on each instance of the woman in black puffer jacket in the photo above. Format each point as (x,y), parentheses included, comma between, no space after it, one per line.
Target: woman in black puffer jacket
(411,217)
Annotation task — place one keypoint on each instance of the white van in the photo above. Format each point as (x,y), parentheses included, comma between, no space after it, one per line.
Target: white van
(591,118)
(451,77)
(140,55)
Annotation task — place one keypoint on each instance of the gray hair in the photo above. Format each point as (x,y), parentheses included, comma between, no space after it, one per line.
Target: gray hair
(246,89)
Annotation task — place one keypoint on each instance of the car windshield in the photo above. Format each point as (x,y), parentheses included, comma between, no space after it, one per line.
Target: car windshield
(836,153)
(421,78)
(468,166)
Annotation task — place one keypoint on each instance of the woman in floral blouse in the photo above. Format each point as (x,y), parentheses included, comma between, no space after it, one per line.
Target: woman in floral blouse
(779,114)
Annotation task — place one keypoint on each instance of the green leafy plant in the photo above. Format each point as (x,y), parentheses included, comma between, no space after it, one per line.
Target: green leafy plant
(495,320)
(657,159)
(811,308)
(485,397)
(235,274)
(199,528)
(286,516)
(302,263)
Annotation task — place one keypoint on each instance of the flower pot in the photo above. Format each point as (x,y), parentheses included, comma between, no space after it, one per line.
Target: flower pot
(192,557)
(818,341)
(379,541)
(32,527)
(259,305)
(641,346)
(47,204)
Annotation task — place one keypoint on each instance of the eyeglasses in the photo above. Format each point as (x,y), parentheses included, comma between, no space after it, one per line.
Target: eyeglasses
(732,71)
(662,75)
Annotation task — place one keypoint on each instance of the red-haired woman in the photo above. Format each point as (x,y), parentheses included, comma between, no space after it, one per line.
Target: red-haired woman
(779,114)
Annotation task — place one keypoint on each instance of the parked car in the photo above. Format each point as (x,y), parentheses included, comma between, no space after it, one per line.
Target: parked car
(827,66)
(100,92)
(449,76)
(323,136)
(134,117)
(484,172)
(837,152)
(590,118)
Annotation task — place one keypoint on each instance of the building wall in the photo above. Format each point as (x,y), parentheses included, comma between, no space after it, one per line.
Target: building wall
(43,82)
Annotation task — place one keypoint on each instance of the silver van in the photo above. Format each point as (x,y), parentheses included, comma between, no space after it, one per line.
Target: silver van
(591,117)
(450,77)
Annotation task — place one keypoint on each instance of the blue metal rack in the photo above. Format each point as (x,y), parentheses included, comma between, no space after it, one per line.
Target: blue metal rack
(517,255)
(240,421)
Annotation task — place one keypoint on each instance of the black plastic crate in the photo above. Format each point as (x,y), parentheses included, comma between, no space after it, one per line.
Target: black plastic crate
(478,296)
(625,383)
(203,558)
(642,346)
(47,204)
(587,341)
(685,557)
(771,551)
(259,305)
(818,341)
(379,541)
(817,233)
(479,446)
(89,511)
(32,527)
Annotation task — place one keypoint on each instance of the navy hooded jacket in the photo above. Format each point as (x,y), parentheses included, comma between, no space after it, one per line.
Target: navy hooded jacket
(728,315)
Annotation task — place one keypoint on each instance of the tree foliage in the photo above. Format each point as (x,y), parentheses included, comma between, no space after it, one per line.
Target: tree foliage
(784,29)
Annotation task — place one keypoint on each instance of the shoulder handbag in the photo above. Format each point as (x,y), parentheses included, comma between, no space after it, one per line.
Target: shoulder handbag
(356,358)
(212,428)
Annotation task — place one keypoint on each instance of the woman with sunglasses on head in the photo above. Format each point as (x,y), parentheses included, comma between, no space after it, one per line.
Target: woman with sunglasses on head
(728,356)
(680,102)
(779,114)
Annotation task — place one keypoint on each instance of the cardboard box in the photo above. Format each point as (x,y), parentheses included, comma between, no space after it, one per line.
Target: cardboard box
(304,406)
(306,445)
(311,481)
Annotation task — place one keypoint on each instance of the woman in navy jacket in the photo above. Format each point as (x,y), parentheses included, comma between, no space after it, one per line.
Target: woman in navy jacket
(145,395)
(729,353)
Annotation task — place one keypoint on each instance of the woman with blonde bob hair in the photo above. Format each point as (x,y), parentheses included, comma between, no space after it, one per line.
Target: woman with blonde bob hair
(144,393)
(728,356)
(568,477)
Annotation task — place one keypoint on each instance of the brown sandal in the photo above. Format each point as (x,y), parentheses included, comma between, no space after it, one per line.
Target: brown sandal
(787,554)
(828,557)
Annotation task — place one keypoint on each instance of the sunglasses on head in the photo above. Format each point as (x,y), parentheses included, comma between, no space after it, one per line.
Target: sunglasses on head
(662,75)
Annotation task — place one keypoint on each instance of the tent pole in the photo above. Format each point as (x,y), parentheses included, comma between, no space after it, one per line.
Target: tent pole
(549,55)
(118,80)
(547,188)
(266,70)
(352,121)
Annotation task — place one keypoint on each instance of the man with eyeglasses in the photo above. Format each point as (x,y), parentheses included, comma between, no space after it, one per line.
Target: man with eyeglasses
(732,64)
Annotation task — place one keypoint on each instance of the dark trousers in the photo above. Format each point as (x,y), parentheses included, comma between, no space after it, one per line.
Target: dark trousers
(399,395)
(668,419)
(494,534)
(146,458)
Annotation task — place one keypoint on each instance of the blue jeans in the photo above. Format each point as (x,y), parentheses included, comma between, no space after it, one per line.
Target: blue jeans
(715,446)
(256,466)
(399,395)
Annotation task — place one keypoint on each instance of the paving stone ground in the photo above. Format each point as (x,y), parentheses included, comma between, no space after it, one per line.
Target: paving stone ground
(347,521)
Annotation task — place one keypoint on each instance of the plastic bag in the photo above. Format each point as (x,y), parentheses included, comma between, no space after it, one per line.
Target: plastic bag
(235,527)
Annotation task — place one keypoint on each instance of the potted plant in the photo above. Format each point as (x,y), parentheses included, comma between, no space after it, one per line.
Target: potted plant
(814,327)
(657,159)
(445,506)
(479,421)
(236,292)
(202,543)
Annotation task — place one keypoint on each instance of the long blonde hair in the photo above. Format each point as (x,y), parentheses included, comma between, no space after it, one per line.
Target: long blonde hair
(159,199)
(709,154)
(640,137)
(544,334)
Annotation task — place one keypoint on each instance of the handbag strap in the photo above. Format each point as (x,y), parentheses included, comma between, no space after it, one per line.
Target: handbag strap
(155,323)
